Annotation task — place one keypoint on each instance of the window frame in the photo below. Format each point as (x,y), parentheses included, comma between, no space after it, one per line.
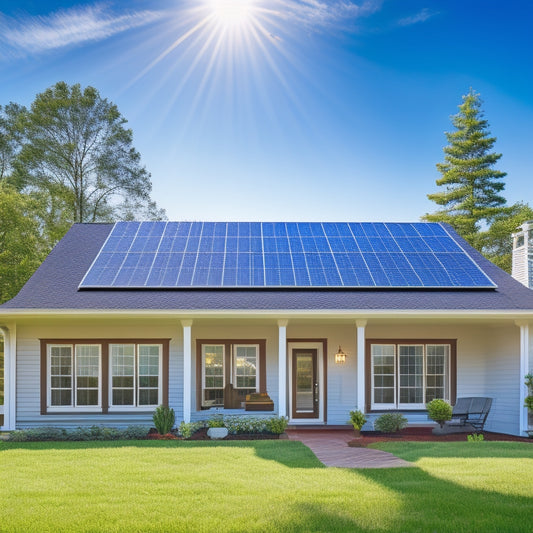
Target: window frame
(105,374)
(229,366)
(73,407)
(451,385)
(136,388)
(234,365)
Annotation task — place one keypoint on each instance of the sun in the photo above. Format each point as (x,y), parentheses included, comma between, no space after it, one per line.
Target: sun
(231,14)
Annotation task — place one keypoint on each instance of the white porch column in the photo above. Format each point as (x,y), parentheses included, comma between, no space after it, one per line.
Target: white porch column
(10,375)
(524,369)
(282,368)
(187,375)
(361,324)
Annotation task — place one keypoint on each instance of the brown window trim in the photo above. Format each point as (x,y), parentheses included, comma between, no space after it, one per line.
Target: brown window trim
(104,343)
(227,354)
(368,362)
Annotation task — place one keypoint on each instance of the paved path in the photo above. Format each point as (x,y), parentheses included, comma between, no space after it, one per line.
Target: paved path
(331,448)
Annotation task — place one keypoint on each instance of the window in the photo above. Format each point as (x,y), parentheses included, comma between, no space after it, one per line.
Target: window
(116,375)
(407,374)
(74,371)
(135,375)
(229,370)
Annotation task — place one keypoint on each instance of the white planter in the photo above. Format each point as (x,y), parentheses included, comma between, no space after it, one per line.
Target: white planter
(217,433)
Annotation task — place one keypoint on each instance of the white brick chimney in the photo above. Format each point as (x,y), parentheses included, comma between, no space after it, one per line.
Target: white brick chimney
(523,254)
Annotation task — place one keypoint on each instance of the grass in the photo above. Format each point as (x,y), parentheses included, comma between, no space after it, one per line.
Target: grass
(261,486)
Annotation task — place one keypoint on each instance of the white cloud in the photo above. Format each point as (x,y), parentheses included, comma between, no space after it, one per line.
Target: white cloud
(318,14)
(421,16)
(32,35)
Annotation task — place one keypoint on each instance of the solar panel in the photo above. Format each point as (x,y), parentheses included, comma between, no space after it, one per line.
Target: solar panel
(161,255)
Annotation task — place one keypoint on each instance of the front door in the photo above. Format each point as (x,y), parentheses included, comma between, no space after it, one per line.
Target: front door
(305,393)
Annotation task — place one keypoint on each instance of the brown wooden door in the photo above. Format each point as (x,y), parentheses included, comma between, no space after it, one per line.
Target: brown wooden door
(305,393)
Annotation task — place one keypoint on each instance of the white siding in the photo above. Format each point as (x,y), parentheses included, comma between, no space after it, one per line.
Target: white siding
(28,371)
(487,363)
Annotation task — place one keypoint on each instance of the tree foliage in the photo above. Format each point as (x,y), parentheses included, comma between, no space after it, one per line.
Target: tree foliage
(69,158)
(22,247)
(471,187)
(77,151)
(496,243)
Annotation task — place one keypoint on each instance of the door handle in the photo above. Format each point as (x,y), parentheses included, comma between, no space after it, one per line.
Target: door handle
(315,392)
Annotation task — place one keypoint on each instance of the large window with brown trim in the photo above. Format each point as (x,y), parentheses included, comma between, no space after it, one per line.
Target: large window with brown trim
(74,376)
(101,376)
(229,370)
(135,375)
(408,374)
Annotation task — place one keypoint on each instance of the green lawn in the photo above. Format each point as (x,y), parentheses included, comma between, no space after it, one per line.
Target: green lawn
(261,486)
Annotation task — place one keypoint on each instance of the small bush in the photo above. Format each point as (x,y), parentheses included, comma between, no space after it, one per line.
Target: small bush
(357,419)
(38,434)
(134,433)
(390,422)
(277,425)
(164,418)
(217,421)
(187,429)
(439,411)
(91,433)
(475,437)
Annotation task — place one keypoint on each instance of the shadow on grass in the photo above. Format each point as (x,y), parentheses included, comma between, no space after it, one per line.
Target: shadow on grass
(288,453)
(413,451)
(431,503)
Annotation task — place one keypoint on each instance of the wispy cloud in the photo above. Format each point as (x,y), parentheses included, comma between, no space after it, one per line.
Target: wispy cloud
(33,35)
(421,16)
(319,15)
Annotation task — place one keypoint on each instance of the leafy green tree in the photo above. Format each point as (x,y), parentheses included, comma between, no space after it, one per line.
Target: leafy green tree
(471,187)
(9,139)
(77,151)
(496,243)
(22,247)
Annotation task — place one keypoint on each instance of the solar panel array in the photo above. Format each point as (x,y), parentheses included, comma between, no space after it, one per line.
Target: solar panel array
(297,254)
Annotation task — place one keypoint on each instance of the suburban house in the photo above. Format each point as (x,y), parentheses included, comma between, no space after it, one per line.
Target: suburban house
(304,320)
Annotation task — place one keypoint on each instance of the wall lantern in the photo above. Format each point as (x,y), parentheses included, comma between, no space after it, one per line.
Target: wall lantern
(340,357)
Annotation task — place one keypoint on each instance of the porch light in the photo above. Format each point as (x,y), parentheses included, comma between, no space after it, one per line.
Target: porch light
(340,357)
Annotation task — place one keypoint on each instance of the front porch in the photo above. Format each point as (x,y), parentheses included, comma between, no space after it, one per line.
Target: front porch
(308,386)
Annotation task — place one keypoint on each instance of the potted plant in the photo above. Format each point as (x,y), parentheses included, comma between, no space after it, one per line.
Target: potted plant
(217,428)
(439,411)
(358,420)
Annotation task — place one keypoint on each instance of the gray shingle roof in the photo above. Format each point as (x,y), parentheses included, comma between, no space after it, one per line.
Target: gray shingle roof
(55,284)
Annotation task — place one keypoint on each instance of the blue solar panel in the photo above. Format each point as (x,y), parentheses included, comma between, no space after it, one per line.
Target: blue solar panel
(294,254)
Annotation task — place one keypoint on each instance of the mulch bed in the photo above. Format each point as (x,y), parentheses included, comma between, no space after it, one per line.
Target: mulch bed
(202,435)
(422,434)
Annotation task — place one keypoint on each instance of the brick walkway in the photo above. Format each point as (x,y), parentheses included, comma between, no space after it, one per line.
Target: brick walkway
(331,448)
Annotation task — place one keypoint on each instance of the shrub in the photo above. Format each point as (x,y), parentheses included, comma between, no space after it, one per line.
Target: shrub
(134,433)
(357,419)
(38,434)
(390,422)
(187,429)
(217,421)
(439,411)
(475,437)
(277,425)
(79,434)
(164,418)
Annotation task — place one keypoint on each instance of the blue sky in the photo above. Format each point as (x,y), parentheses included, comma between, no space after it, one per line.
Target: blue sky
(290,110)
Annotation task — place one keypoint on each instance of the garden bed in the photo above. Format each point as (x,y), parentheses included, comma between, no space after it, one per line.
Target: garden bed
(424,434)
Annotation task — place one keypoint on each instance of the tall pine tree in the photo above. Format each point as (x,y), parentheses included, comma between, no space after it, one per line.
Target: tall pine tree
(470,184)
